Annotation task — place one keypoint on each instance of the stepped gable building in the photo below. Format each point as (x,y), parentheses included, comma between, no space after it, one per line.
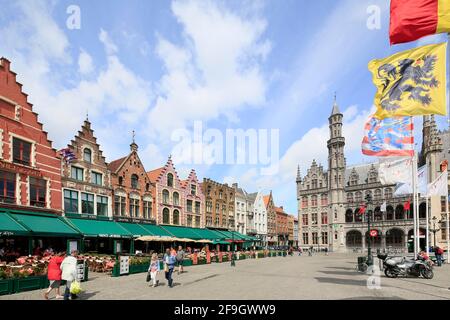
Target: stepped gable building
(168,196)
(219,204)
(195,201)
(272,236)
(251,214)
(282,227)
(131,188)
(260,218)
(86,180)
(30,168)
(329,202)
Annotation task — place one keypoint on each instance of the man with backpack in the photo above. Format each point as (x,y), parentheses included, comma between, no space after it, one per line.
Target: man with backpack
(438,252)
(180,258)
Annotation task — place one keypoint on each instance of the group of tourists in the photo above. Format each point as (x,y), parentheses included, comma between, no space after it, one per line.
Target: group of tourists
(62,267)
(171,259)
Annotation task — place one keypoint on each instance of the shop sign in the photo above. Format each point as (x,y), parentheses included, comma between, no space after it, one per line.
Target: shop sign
(124,264)
(373,233)
(20,169)
(6,233)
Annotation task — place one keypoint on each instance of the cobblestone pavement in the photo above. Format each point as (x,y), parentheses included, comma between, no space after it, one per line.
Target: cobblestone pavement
(317,277)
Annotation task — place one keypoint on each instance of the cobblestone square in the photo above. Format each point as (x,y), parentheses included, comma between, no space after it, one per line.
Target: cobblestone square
(316,277)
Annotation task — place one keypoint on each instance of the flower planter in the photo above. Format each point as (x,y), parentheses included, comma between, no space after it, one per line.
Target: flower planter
(29,283)
(201,261)
(138,268)
(187,262)
(6,286)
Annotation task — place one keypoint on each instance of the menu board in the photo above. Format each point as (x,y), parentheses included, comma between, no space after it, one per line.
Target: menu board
(80,270)
(124,264)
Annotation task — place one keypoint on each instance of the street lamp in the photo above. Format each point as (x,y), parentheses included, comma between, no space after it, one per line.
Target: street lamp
(233,263)
(435,229)
(369,213)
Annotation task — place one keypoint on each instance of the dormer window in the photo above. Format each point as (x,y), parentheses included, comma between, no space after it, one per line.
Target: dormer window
(87,155)
(170,180)
(134,181)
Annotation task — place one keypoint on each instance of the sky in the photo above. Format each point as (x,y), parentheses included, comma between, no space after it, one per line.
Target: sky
(174,71)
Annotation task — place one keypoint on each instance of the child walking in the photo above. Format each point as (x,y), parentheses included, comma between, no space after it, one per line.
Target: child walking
(154,268)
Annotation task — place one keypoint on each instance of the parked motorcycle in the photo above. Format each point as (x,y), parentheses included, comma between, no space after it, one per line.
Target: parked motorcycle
(400,266)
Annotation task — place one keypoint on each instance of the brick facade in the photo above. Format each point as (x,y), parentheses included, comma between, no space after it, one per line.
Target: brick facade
(30,175)
(219,204)
(131,187)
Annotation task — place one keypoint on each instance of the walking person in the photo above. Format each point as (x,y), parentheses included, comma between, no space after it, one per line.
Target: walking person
(169,264)
(153,269)
(180,258)
(438,252)
(54,274)
(69,273)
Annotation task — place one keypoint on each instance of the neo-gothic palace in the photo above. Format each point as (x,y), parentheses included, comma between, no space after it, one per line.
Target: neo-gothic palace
(329,201)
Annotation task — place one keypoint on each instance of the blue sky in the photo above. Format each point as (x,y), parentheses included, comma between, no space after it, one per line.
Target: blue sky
(157,66)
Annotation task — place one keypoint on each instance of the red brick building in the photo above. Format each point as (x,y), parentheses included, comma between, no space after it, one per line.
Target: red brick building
(272,237)
(194,201)
(282,228)
(168,195)
(30,168)
(131,187)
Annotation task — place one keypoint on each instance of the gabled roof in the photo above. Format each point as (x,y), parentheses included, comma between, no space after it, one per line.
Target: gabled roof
(266,200)
(153,175)
(113,166)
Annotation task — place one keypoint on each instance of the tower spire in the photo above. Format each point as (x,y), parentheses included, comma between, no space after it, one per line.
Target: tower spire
(133,145)
(299,177)
(335,109)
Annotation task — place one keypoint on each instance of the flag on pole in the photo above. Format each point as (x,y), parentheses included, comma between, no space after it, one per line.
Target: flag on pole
(67,155)
(407,205)
(413,19)
(402,189)
(362,209)
(439,187)
(397,171)
(388,137)
(422,182)
(383,206)
(411,82)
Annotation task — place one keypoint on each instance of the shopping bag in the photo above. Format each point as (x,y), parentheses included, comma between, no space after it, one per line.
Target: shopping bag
(166,267)
(149,276)
(75,287)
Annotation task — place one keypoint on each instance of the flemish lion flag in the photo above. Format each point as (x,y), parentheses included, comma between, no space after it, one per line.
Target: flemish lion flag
(414,19)
(411,83)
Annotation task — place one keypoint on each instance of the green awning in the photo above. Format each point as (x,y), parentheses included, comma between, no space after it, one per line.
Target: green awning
(155,230)
(10,227)
(208,234)
(45,224)
(100,228)
(227,234)
(137,230)
(221,242)
(183,232)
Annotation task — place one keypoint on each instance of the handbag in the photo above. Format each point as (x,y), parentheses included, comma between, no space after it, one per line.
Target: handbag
(149,276)
(75,287)
(166,267)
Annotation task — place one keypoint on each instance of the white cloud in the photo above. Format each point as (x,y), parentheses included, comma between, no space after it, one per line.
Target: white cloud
(110,46)
(85,64)
(215,73)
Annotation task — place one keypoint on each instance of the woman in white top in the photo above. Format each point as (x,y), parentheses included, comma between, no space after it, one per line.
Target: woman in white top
(69,273)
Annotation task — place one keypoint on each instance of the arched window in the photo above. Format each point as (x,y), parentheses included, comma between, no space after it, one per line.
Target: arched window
(176,217)
(166,216)
(399,212)
(176,199)
(165,196)
(349,215)
(87,155)
(134,181)
(170,180)
(389,213)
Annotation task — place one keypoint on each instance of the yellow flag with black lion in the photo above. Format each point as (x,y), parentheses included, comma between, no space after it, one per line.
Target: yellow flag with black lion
(411,82)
